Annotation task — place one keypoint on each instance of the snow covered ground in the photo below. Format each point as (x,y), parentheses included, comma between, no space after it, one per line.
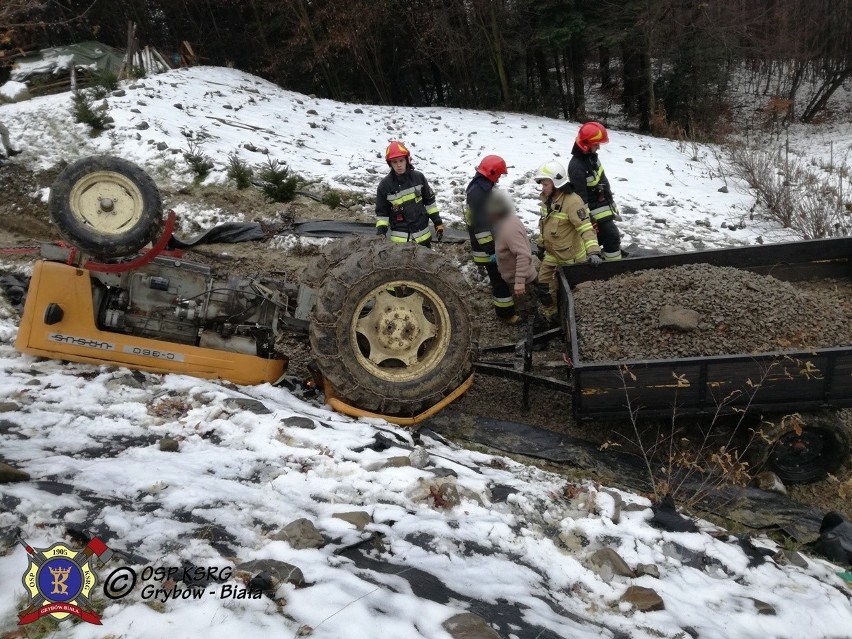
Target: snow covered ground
(669,200)
(515,547)
(456,531)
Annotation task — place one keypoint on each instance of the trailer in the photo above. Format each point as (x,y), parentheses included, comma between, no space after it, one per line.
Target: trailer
(814,383)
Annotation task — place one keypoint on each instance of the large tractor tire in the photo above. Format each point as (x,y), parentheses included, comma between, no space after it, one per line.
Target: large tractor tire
(333,254)
(801,451)
(391,330)
(106,207)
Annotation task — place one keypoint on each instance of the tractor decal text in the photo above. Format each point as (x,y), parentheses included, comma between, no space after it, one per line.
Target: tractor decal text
(81,341)
(149,352)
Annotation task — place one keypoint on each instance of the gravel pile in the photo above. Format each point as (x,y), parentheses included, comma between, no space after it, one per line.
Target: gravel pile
(700,310)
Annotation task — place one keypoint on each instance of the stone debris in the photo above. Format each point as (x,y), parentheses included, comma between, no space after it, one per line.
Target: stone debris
(643,599)
(248,404)
(169,445)
(358,518)
(647,570)
(10,474)
(301,534)
(680,319)
(419,457)
(297,421)
(399,461)
(469,626)
(790,557)
(269,574)
(730,311)
(609,563)
(770,482)
(763,608)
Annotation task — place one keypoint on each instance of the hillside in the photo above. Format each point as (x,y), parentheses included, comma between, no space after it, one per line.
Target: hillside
(668,199)
(356,528)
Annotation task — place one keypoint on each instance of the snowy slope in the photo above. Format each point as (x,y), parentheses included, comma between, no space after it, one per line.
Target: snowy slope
(515,549)
(677,202)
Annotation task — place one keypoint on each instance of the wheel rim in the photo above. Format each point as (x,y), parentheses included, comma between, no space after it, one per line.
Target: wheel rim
(106,201)
(400,331)
(801,457)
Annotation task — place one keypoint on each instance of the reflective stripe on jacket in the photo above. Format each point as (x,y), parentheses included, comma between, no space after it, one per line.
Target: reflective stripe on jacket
(476,218)
(590,182)
(566,230)
(405,203)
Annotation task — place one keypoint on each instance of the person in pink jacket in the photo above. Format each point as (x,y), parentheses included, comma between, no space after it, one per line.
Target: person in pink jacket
(512,250)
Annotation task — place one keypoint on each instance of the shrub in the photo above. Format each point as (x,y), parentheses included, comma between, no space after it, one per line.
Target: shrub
(107,80)
(239,171)
(85,112)
(199,163)
(332,199)
(793,193)
(278,182)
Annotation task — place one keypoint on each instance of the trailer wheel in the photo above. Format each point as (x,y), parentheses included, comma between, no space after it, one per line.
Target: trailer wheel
(801,451)
(391,331)
(106,206)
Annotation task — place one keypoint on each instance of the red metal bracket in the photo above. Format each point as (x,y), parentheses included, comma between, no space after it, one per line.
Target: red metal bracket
(144,258)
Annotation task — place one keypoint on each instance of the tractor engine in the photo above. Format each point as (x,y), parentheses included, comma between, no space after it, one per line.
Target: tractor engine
(177,301)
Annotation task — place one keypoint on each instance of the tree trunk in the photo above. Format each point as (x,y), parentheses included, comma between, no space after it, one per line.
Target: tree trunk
(603,66)
(631,78)
(824,93)
(437,78)
(497,49)
(578,76)
(304,18)
(564,98)
(647,102)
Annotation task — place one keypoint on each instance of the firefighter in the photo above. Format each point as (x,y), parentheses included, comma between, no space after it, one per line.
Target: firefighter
(405,202)
(567,234)
(590,183)
(488,173)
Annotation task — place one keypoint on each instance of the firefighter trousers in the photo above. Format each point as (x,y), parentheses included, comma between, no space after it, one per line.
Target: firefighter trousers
(609,238)
(504,304)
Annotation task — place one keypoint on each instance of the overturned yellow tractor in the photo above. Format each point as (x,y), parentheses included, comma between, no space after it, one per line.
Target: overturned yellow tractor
(390,330)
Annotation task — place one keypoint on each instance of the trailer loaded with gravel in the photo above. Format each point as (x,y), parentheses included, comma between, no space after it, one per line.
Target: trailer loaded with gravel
(766,330)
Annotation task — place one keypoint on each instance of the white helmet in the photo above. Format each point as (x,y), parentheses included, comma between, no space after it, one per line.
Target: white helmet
(554,171)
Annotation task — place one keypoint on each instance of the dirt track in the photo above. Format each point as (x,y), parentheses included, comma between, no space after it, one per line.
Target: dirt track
(24,221)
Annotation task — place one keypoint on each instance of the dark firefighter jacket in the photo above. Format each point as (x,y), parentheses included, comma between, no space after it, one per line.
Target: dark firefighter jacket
(476,218)
(590,182)
(405,203)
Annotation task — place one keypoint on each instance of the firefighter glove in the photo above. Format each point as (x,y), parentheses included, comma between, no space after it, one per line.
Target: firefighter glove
(382,230)
(439,231)
(595,260)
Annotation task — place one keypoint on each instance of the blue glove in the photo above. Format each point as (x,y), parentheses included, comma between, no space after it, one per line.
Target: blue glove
(493,258)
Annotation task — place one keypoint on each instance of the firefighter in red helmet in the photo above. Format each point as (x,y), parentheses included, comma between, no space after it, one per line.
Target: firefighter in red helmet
(480,189)
(405,203)
(590,182)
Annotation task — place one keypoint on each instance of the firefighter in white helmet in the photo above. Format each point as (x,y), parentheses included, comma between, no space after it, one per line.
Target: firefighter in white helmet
(567,234)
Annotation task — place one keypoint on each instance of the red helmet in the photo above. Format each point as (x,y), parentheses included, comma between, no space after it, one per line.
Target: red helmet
(591,133)
(396,149)
(492,167)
